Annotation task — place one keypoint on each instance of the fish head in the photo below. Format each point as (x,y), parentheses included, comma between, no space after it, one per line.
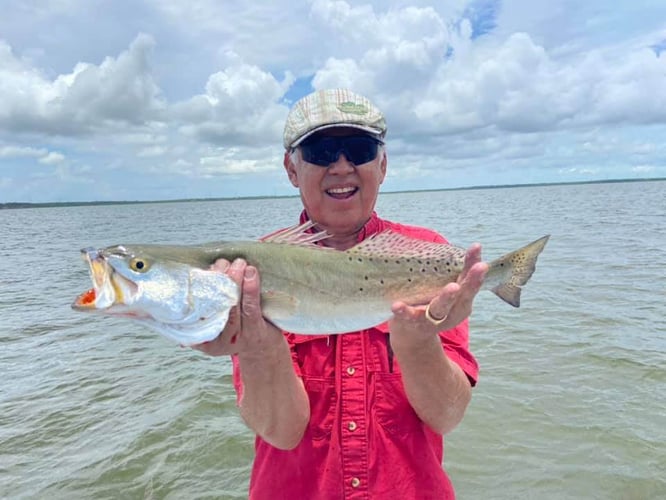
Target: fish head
(185,303)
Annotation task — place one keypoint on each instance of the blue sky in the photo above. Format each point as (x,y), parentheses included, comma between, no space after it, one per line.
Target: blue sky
(143,100)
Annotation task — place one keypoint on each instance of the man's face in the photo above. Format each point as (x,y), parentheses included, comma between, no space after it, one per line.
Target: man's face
(340,197)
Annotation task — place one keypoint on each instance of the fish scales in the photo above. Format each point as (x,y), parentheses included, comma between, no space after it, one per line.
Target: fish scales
(305,288)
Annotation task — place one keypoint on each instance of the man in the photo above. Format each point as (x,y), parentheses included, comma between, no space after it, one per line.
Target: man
(359,415)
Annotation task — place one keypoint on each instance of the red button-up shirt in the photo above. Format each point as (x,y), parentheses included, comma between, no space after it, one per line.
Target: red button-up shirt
(364,440)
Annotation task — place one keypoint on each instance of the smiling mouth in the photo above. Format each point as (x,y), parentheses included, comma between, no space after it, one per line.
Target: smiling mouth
(342,193)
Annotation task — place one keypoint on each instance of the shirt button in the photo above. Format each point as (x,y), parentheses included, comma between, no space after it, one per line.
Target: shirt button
(351,370)
(352,426)
(355,482)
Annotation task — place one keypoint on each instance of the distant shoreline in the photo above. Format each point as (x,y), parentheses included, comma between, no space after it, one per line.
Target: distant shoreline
(14,205)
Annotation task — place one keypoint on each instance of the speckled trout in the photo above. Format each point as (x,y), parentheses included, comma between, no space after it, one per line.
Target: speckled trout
(305,288)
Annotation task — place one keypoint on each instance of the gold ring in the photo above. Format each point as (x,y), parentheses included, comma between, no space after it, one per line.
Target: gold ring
(434,321)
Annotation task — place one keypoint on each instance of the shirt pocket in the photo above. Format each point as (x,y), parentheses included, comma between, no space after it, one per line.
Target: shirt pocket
(323,399)
(392,409)
(312,355)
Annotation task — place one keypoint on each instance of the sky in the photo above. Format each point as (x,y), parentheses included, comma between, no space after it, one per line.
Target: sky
(151,100)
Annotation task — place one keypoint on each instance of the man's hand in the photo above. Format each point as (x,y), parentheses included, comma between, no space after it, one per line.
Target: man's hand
(246,332)
(453,304)
(436,387)
(273,400)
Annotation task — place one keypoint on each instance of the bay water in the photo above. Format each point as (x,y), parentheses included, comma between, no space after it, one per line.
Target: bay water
(571,400)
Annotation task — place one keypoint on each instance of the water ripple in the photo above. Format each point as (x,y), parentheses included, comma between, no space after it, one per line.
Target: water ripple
(570,402)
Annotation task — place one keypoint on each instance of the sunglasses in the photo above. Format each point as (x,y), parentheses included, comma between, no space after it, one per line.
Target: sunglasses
(324,150)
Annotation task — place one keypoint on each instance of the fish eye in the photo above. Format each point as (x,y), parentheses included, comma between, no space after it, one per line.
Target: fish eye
(139,265)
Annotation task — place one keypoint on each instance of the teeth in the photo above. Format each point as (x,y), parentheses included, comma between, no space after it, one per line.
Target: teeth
(98,273)
(342,190)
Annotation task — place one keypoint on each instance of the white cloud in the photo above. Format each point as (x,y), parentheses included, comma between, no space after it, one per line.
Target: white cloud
(52,158)
(119,91)
(43,155)
(223,161)
(387,53)
(473,91)
(21,151)
(240,105)
(511,83)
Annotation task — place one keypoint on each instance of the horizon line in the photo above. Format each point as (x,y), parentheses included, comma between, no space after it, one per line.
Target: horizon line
(48,204)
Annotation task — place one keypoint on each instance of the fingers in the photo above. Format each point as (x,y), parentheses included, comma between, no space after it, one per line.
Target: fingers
(474,270)
(251,298)
(247,279)
(456,299)
(472,257)
(442,305)
(473,281)
(220,265)
(236,271)
(225,343)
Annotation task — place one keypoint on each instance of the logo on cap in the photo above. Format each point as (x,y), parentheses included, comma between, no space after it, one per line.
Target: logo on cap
(353,108)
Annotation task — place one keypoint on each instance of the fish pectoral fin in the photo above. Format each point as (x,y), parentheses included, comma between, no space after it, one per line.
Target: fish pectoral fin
(277,305)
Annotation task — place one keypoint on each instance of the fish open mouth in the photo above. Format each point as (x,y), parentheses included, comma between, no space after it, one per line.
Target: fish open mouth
(105,291)
(86,299)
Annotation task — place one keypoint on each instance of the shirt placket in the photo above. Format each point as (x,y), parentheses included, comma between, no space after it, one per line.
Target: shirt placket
(354,436)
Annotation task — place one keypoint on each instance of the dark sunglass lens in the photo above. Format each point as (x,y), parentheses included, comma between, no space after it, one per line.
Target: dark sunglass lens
(325,150)
(361,149)
(320,151)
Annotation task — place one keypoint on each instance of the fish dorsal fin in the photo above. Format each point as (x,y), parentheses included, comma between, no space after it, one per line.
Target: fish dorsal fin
(392,245)
(296,235)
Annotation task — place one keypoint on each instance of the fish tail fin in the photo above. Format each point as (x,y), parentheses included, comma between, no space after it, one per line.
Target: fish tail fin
(507,274)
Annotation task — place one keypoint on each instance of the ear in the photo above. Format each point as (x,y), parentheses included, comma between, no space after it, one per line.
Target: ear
(290,167)
(383,164)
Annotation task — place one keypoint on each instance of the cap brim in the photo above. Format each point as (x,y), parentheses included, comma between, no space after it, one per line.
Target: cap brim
(364,128)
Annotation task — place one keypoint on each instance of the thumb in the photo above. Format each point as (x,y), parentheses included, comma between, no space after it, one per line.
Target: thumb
(251,302)
(400,309)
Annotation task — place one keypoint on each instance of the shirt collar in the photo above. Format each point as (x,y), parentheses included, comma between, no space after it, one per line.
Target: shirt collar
(374,225)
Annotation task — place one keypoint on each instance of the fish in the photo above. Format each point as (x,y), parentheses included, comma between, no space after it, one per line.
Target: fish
(306,288)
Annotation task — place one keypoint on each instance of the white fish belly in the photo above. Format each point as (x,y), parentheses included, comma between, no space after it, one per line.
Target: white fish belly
(334,319)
